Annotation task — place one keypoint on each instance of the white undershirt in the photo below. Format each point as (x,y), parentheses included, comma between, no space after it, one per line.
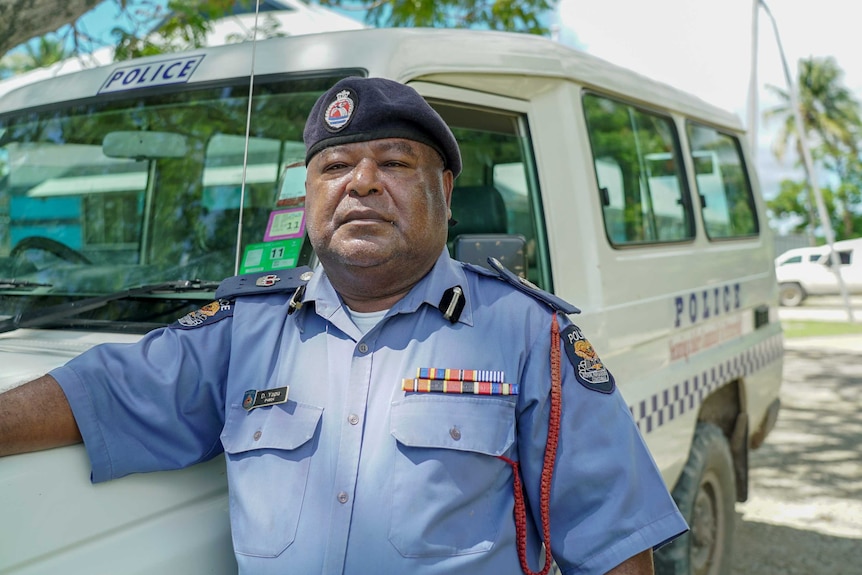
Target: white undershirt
(365,320)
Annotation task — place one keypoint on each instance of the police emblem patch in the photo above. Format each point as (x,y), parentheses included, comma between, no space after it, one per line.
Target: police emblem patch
(337,115)
(209,313)
(589,370)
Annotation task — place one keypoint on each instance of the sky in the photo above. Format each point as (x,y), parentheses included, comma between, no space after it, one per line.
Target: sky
(705,48)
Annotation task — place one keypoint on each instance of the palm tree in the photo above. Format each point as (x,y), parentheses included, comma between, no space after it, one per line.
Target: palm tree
(830,116)
(39,53)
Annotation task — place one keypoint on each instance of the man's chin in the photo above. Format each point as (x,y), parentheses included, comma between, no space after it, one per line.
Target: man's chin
(362,254)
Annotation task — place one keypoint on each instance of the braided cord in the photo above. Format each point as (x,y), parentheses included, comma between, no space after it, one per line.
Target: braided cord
(520,510)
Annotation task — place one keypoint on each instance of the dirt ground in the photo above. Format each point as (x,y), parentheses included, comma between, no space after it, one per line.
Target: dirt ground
(804,513)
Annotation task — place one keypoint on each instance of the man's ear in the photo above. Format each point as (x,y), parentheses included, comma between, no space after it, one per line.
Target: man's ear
(448,185)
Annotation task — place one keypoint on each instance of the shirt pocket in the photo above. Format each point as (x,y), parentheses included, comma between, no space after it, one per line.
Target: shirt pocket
(450,492)
(268,450)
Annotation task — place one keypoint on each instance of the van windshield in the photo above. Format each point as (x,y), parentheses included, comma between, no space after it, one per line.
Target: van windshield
(138,188)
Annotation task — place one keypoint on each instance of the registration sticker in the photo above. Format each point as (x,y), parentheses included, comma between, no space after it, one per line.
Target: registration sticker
(285,224)
(269,256)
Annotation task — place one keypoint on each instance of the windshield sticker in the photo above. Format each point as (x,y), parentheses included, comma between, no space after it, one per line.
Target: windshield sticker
(285,224)
(174,71)
(291,188)
(277,255)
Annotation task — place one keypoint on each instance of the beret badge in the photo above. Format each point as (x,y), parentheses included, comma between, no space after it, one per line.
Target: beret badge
(337,115)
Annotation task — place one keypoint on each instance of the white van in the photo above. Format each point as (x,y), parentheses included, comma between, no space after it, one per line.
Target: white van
(124,200)
(809,271)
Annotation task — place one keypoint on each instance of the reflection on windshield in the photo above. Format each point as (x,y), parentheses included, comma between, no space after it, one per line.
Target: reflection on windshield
(105,196)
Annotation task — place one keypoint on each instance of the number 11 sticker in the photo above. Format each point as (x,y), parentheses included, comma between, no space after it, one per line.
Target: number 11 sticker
(285,224)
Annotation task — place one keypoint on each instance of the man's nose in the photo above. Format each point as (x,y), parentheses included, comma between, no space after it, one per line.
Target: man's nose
(365,180)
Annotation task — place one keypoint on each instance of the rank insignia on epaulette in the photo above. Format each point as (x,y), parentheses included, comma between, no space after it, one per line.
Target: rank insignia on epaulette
(471,381)
(589,370)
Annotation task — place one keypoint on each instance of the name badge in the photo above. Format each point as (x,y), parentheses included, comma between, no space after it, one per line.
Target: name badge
(254,398)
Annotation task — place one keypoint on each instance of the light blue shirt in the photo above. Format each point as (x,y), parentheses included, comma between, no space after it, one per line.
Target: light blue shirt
(352,474)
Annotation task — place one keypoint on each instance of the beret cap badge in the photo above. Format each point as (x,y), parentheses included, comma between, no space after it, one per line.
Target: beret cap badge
(339,112)
(357,109)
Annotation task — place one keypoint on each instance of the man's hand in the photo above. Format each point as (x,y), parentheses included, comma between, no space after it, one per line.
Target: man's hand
(36,416)
(640,564)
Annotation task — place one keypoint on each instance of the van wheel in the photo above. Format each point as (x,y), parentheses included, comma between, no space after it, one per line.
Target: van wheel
(706,497)
(790,294)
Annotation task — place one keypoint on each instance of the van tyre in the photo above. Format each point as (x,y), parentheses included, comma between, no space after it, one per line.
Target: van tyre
(791,294)
(706,497)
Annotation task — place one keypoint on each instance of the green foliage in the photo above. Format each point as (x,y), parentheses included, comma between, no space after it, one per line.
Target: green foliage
(511,15)
(792,201)
(45,51)
(184,27)
(793,329)
(832,127)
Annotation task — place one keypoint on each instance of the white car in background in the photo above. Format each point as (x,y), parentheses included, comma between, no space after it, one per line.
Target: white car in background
(808,271)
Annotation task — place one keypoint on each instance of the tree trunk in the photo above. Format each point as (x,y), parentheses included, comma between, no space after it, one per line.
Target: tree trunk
(21,20)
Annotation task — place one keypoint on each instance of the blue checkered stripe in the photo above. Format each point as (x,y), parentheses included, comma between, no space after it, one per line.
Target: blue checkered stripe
(662,407)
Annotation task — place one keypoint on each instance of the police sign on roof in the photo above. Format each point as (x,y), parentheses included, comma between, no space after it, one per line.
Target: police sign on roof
(173,71)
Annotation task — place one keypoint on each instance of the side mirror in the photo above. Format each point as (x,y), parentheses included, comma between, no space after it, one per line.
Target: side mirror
(509,249)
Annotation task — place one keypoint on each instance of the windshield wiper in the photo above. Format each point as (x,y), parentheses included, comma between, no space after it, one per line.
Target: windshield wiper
(71,309)
(12,283)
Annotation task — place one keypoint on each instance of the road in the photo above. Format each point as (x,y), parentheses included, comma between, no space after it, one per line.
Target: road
(804,514)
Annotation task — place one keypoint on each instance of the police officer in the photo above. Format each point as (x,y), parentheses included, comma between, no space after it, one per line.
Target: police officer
(395,411)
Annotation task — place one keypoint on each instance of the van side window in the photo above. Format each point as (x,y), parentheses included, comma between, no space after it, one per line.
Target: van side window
(641,185)
(495,201)
(727,203)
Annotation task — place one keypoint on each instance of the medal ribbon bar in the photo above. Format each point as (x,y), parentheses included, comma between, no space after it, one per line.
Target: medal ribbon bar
(420,385)
(486,375)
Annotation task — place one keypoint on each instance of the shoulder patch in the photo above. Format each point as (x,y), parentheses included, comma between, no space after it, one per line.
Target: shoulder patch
(208,314)
(589,370)
(280,281)
(499,270)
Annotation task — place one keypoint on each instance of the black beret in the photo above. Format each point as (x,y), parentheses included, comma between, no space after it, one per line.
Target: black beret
(361,109)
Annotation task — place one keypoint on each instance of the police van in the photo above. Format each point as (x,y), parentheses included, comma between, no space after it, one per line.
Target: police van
(128,192)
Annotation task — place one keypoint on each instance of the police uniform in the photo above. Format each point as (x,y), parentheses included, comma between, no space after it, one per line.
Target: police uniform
(390,451)
(353,474)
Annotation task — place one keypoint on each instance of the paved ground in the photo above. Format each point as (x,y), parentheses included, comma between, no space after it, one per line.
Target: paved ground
(804,516)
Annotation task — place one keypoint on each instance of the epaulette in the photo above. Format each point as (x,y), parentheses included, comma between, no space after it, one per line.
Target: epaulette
(499,271)
(264,283)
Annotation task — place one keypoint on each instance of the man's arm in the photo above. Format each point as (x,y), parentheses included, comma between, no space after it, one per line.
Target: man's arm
(640,564)
(36,416)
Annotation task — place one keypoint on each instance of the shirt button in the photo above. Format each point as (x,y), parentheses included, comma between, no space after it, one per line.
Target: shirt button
(363,348)
(353,419)
(257,435)
(342,497)
(455,433)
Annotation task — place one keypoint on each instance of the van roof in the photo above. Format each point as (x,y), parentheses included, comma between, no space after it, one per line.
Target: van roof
(503,63)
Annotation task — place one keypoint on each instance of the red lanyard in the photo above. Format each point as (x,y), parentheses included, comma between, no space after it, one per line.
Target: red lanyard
(520,511)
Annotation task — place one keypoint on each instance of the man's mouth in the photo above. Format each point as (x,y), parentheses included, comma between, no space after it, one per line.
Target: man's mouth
(366,217)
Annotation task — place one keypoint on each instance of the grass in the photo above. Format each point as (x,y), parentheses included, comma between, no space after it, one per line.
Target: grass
(818,328)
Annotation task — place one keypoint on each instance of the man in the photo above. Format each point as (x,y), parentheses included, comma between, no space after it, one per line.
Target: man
(398,412)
